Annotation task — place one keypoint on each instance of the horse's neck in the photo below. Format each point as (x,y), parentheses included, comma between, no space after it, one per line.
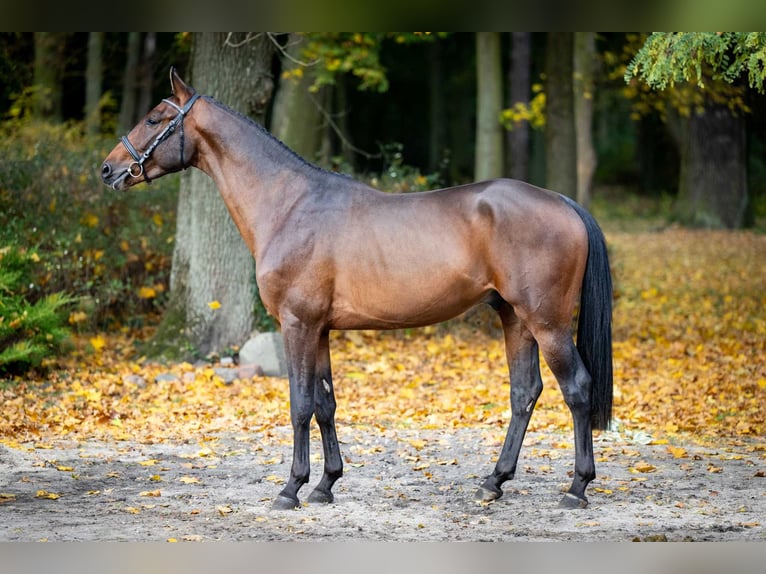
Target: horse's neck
(255,175)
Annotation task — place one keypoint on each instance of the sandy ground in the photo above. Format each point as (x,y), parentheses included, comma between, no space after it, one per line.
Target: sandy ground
(399,485)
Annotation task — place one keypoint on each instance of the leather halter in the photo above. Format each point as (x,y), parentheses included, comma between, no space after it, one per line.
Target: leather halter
(136,169)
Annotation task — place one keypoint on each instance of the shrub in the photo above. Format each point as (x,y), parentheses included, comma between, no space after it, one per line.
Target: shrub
(30,331)
(110,250)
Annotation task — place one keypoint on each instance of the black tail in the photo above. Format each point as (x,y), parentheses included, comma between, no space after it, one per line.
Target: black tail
(594,325)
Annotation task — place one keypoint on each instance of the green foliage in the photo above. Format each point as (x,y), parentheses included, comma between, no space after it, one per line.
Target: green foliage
(398,177)
(356,53)
(112,251)
(30,330)
(668,58)
(636,62)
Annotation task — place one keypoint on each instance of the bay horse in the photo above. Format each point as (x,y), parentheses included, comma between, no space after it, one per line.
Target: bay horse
(333,253)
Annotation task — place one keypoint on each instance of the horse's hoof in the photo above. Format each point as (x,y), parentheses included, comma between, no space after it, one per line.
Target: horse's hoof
(484,494)
(285,503)
(572,501)
(321,496)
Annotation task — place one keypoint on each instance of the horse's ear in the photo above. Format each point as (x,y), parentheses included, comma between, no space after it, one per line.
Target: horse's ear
(177,86)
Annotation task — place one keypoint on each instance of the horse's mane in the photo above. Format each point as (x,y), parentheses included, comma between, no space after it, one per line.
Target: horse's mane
(280,144)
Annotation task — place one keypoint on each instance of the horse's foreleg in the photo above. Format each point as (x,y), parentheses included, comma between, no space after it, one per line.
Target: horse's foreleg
(301,343)
(526,386)
(324,400)
(575,383)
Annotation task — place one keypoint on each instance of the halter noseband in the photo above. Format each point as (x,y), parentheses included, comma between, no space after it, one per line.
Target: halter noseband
(136,169)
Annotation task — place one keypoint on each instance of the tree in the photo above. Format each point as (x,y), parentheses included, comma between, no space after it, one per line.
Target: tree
(584,85)
(93,79)
(49,67)
(127,118)
(213,289)
(296,118)
(707,121)
(489,103)
(517,138)
(560,137)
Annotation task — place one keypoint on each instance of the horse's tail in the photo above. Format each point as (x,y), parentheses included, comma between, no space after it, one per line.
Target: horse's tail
(594,325)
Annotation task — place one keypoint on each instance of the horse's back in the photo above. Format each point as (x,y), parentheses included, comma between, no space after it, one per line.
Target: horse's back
(406,260)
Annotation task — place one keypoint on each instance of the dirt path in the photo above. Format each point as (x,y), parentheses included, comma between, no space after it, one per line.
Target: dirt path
(399,486)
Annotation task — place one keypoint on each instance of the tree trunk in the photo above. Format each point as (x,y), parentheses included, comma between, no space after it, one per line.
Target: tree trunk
(147,73)
(584,62)
(297,119)
(488,162)
(128,117)
(436,123)
(94,73)
(213,285)
(560,138)
(49,67)
(712,190)
(517,139)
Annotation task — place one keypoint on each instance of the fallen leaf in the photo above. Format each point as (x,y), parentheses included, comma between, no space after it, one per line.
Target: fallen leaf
(189,480)
(150,493)
(48,495)
(642,466)
(677,451)
(223,510)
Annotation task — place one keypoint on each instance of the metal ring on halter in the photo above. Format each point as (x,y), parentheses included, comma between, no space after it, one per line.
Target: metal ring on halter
(131,172)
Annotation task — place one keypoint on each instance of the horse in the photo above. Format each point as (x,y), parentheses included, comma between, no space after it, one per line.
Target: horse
(332,253)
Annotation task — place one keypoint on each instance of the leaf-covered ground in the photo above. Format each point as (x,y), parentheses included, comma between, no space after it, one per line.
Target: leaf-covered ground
(690,342)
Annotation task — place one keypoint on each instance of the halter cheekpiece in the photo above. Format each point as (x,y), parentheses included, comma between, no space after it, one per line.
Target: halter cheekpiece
(136,169)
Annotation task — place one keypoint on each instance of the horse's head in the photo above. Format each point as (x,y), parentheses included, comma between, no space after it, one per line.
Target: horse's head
(157,145)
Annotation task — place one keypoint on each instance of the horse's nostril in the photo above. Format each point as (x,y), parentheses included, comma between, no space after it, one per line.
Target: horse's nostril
(106,169)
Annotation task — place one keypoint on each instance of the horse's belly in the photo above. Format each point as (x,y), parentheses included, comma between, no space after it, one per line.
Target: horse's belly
(392,304)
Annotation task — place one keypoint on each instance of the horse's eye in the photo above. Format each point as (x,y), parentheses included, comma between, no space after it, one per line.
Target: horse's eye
(151,122)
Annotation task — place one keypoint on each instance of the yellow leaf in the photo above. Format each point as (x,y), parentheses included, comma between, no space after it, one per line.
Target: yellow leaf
(172,540)
(151,493)
(275,479)
(762,383)
(7,497)
(97,343)
(157,219)
(64,468)
(48,495)
(214,305)
(677,451)
(189,480)
(132,509)
(89,220)
(155,478)
(77,317)
(642,467)
(148,462)
(223,510)
(147,293)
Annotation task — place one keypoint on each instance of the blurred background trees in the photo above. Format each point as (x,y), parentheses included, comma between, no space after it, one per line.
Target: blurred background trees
(669,124)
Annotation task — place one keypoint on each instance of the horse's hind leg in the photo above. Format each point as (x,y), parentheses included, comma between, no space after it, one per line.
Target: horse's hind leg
(324,398)
(575,382)
(526,386)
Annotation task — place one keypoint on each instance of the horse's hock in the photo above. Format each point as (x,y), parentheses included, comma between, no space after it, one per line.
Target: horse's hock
(266,350)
